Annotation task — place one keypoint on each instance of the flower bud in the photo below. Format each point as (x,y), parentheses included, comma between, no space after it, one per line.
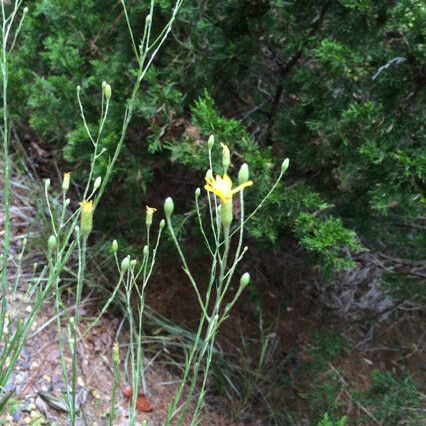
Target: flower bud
(197,192)
(210,142)
(114,246)
(66,182)
(78,89)
(47,183)
(243,174)
(226,158)
(77,230)
(169,206)
(97,183)
(107,91)
(25,9)
(149,214)
(148,18)
(51,243)
(162,224)
(125,263)
(67,202)
(284,165)
(145,250)
(86,217)
(116,353)
(209,174)
(245,279)
(133,263)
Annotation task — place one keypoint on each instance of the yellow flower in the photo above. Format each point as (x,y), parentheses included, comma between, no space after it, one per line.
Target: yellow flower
(86,218)
(222,187)
(150,210)
(86,206)
(149,213)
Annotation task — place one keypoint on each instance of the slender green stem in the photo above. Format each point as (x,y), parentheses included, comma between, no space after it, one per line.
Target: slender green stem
(82,249)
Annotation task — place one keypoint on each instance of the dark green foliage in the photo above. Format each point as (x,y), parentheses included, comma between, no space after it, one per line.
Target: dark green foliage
(393,399)
(337,86)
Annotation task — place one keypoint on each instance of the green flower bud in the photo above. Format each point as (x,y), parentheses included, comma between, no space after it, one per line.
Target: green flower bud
(243,174)
(169,206)
(209,174)
(107,91)
(116,353)
(133,263)
(162,224)
(67,202)
(47,183)
(197,192)
(97,183)
(284,165)
(78,89)
(125,263)
(226,158)
(210,142)
(66,182)
(51,243)
(25,9)
(148,18)
(145,250)
(245,279)
(114,246)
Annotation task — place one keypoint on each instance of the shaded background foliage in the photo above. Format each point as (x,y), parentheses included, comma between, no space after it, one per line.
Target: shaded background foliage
(337,86)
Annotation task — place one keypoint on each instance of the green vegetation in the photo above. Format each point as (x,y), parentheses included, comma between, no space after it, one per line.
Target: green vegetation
(335,250)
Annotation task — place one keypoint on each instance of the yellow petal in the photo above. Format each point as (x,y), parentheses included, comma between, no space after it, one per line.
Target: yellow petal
(242,186)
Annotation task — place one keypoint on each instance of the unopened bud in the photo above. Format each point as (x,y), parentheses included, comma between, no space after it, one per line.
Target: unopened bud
(162,224)
(197,192)
(125,263)
(284,165)
(243,174)
(66,182)
(51,243)
(148,18)
(116,353)
(78,89)
(210,142)
(107,91)
(47,183)
(25,9)
(97,183)
(114,246)
(169,206)
(145,250)
(209,174)
(226,158)
(67,202)
(245,279)
(133,263)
